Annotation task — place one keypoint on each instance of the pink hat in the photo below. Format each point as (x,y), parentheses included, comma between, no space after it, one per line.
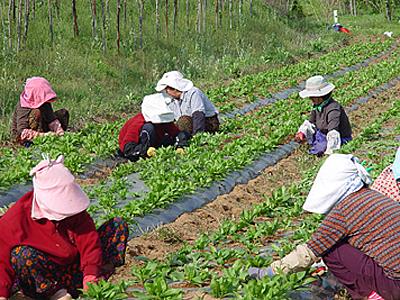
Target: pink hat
(56,195)
(37,91)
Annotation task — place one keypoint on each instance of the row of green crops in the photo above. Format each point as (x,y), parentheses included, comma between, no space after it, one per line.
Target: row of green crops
(93,141)
(217,262)
(250,87)
(209,158)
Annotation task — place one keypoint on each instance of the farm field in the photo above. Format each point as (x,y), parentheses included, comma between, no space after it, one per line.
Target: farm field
(232,200)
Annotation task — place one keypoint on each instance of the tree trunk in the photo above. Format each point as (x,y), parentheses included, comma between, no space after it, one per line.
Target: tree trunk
(355,8)
(175,14)
(103,28)
(125,12)
(141,5)
(187,14)
(166,17)
(221,9)
(27,13)
(230,15)
(33,8)
(251,8)
(118,23)
(94,18)
(241,10)
(204,15)
(10,21)
(58,8)
(19,25)
(50,9)
(198,16)
(388,10)
(216,13)
(108,8)
(75,18)
(158,17)
(14,14)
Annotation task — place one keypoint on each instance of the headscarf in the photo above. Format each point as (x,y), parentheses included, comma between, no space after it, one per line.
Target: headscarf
(339,176)
(56,195)
(37,91)
(156,110)
(396,165)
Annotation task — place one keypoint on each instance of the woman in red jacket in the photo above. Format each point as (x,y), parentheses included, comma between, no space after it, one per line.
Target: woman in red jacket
(50,247)
(153,127)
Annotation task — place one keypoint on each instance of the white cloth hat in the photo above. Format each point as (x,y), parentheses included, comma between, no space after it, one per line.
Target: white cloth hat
(175,80)
(56,195)
(156,110)
(316,86)
(339,176)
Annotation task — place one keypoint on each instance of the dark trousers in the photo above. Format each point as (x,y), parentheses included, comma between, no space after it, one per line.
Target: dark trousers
(360,274)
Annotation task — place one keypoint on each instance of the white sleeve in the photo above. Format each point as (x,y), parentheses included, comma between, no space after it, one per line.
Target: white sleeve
(333,141)
(308,129)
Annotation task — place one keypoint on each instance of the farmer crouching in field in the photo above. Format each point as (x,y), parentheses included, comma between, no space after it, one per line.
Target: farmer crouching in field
(50,247)
(359,239)
(328,127)
(153,127)
(388,181)
(193,111)
(34,115)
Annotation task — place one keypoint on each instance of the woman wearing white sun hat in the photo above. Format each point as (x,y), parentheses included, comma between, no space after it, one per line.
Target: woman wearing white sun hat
(328,126)
(192,109)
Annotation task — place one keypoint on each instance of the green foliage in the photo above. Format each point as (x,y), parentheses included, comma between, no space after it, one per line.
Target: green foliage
(104,290)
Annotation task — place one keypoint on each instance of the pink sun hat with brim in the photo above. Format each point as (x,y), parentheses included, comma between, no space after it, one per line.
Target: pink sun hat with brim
(37,91)
(56,195)
(175,80)
(316,86)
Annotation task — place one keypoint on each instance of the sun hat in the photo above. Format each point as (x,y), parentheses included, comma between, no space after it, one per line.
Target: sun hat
(37,91)
(56,195)
(175,80)
(316,86)
(156,110)
(338,177)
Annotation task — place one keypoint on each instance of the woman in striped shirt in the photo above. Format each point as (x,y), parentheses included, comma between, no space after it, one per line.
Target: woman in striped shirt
(359,239)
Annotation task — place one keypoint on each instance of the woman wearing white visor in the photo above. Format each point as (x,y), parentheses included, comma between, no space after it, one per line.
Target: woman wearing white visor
(192,109)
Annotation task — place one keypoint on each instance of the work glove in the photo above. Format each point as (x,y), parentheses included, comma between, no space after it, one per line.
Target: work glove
(151,152)
(180,151)
(182,139)
(259,273)
(89,279)
(300,137)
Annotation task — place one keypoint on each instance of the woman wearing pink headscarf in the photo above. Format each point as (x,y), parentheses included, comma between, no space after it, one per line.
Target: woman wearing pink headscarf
(50,247)
(34,115)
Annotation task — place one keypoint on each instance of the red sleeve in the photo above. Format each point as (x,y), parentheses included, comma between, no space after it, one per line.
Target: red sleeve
(130,132)
(10,225)
(88,243)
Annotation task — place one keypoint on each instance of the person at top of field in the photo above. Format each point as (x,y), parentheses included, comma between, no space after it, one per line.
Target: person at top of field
(50,247)
(34,115)
(151,128)
(328,126)
(192,109)
(359,239)
(388,182)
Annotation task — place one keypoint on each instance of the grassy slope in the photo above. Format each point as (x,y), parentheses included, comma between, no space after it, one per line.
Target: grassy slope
(90,83)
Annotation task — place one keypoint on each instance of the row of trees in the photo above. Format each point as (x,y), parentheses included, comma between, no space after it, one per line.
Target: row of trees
(108,16)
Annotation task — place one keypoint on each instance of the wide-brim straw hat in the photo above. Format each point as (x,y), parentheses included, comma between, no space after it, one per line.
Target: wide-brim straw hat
(316,86)
(174,79)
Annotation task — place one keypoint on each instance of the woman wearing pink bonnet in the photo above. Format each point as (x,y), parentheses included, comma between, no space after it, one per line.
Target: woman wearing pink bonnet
(34,115)
(50,247)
